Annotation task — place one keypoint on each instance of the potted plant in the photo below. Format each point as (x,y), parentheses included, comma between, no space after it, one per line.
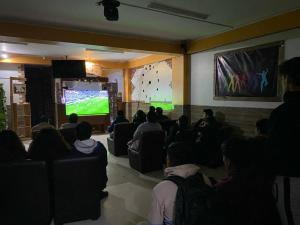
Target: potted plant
(2,109)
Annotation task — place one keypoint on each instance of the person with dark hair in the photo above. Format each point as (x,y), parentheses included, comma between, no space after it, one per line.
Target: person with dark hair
(164,193)
(160,115)
(86,146)
(48,145)
(151,108)
(138,119)
(245,195)
(44,123)
(285,124)
(177,129)
(73,119)
(208,120)
(283,143)
(262,128)
(119,119)
(150,125)
(11,147)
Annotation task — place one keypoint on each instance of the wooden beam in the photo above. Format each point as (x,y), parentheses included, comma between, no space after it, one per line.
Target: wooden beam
(283,22)
(147,60)
(43,33)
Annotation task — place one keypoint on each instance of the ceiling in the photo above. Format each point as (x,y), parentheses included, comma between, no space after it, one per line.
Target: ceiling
(71,51)
(85,15)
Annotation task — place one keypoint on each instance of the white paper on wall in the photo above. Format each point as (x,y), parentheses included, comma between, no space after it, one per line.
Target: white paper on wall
(152,83)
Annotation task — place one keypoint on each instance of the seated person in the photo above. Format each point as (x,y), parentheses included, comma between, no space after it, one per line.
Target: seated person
(73,118)
(138,119)
(208,120)
(86,146)
(181,125)
(119,119)
(151,108)
(244,196)
(48,145)
(262,128)
(164,193)
(44,123)
(150,125)
(160,115)
(11,147)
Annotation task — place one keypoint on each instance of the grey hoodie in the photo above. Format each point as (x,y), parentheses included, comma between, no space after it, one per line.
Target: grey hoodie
(86,146)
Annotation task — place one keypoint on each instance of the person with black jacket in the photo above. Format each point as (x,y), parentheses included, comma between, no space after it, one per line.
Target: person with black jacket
(283,145)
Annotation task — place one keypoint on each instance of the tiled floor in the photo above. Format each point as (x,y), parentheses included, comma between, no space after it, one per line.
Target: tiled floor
(129,192)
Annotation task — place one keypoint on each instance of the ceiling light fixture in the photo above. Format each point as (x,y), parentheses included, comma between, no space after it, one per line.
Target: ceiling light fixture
(182,13)
(104,51)
(177,11)
(4,56)
(111,12)
(13,42)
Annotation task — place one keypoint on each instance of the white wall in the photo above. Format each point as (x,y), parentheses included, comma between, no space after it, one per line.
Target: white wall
(7,71)
(152,82)
(202,70)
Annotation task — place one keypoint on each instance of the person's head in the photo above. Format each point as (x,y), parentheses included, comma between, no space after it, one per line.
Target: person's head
(73,118)
(44,118)
(48,145)
(208,113)
(183,121)
(120,113)
(151,117)
(151,108)
(159,111)
(140,115)
(11,147)
(236,155)
(262,126)
(291,69)
(177,154)
(84,131)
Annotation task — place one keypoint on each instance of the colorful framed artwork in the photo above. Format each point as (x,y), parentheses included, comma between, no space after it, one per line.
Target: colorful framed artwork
(249,74)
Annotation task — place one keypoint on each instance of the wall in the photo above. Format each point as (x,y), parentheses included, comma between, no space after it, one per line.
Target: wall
(202,78)
(115,76)
(152,82)
(7,71)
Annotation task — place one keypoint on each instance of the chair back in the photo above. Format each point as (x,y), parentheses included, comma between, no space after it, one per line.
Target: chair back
(149,156)
(77,186)
(24,193)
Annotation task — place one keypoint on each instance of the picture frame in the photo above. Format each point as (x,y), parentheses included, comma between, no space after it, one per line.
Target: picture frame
(19,88)
(249,74)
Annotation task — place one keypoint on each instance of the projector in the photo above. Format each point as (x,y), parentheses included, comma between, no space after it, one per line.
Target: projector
(111,12)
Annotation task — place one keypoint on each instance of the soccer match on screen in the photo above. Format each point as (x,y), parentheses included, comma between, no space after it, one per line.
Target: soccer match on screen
(85,103)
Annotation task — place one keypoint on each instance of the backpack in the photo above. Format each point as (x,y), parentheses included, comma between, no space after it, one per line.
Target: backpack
(192,204)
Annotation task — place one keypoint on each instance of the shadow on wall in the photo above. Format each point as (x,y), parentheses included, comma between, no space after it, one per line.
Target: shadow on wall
(233,130)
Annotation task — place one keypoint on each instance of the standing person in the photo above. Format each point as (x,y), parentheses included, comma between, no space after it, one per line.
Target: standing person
(86,146)
(283,144)
(73,119)
(119,119)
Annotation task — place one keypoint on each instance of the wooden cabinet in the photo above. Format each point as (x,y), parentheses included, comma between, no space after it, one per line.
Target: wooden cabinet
(22,119)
